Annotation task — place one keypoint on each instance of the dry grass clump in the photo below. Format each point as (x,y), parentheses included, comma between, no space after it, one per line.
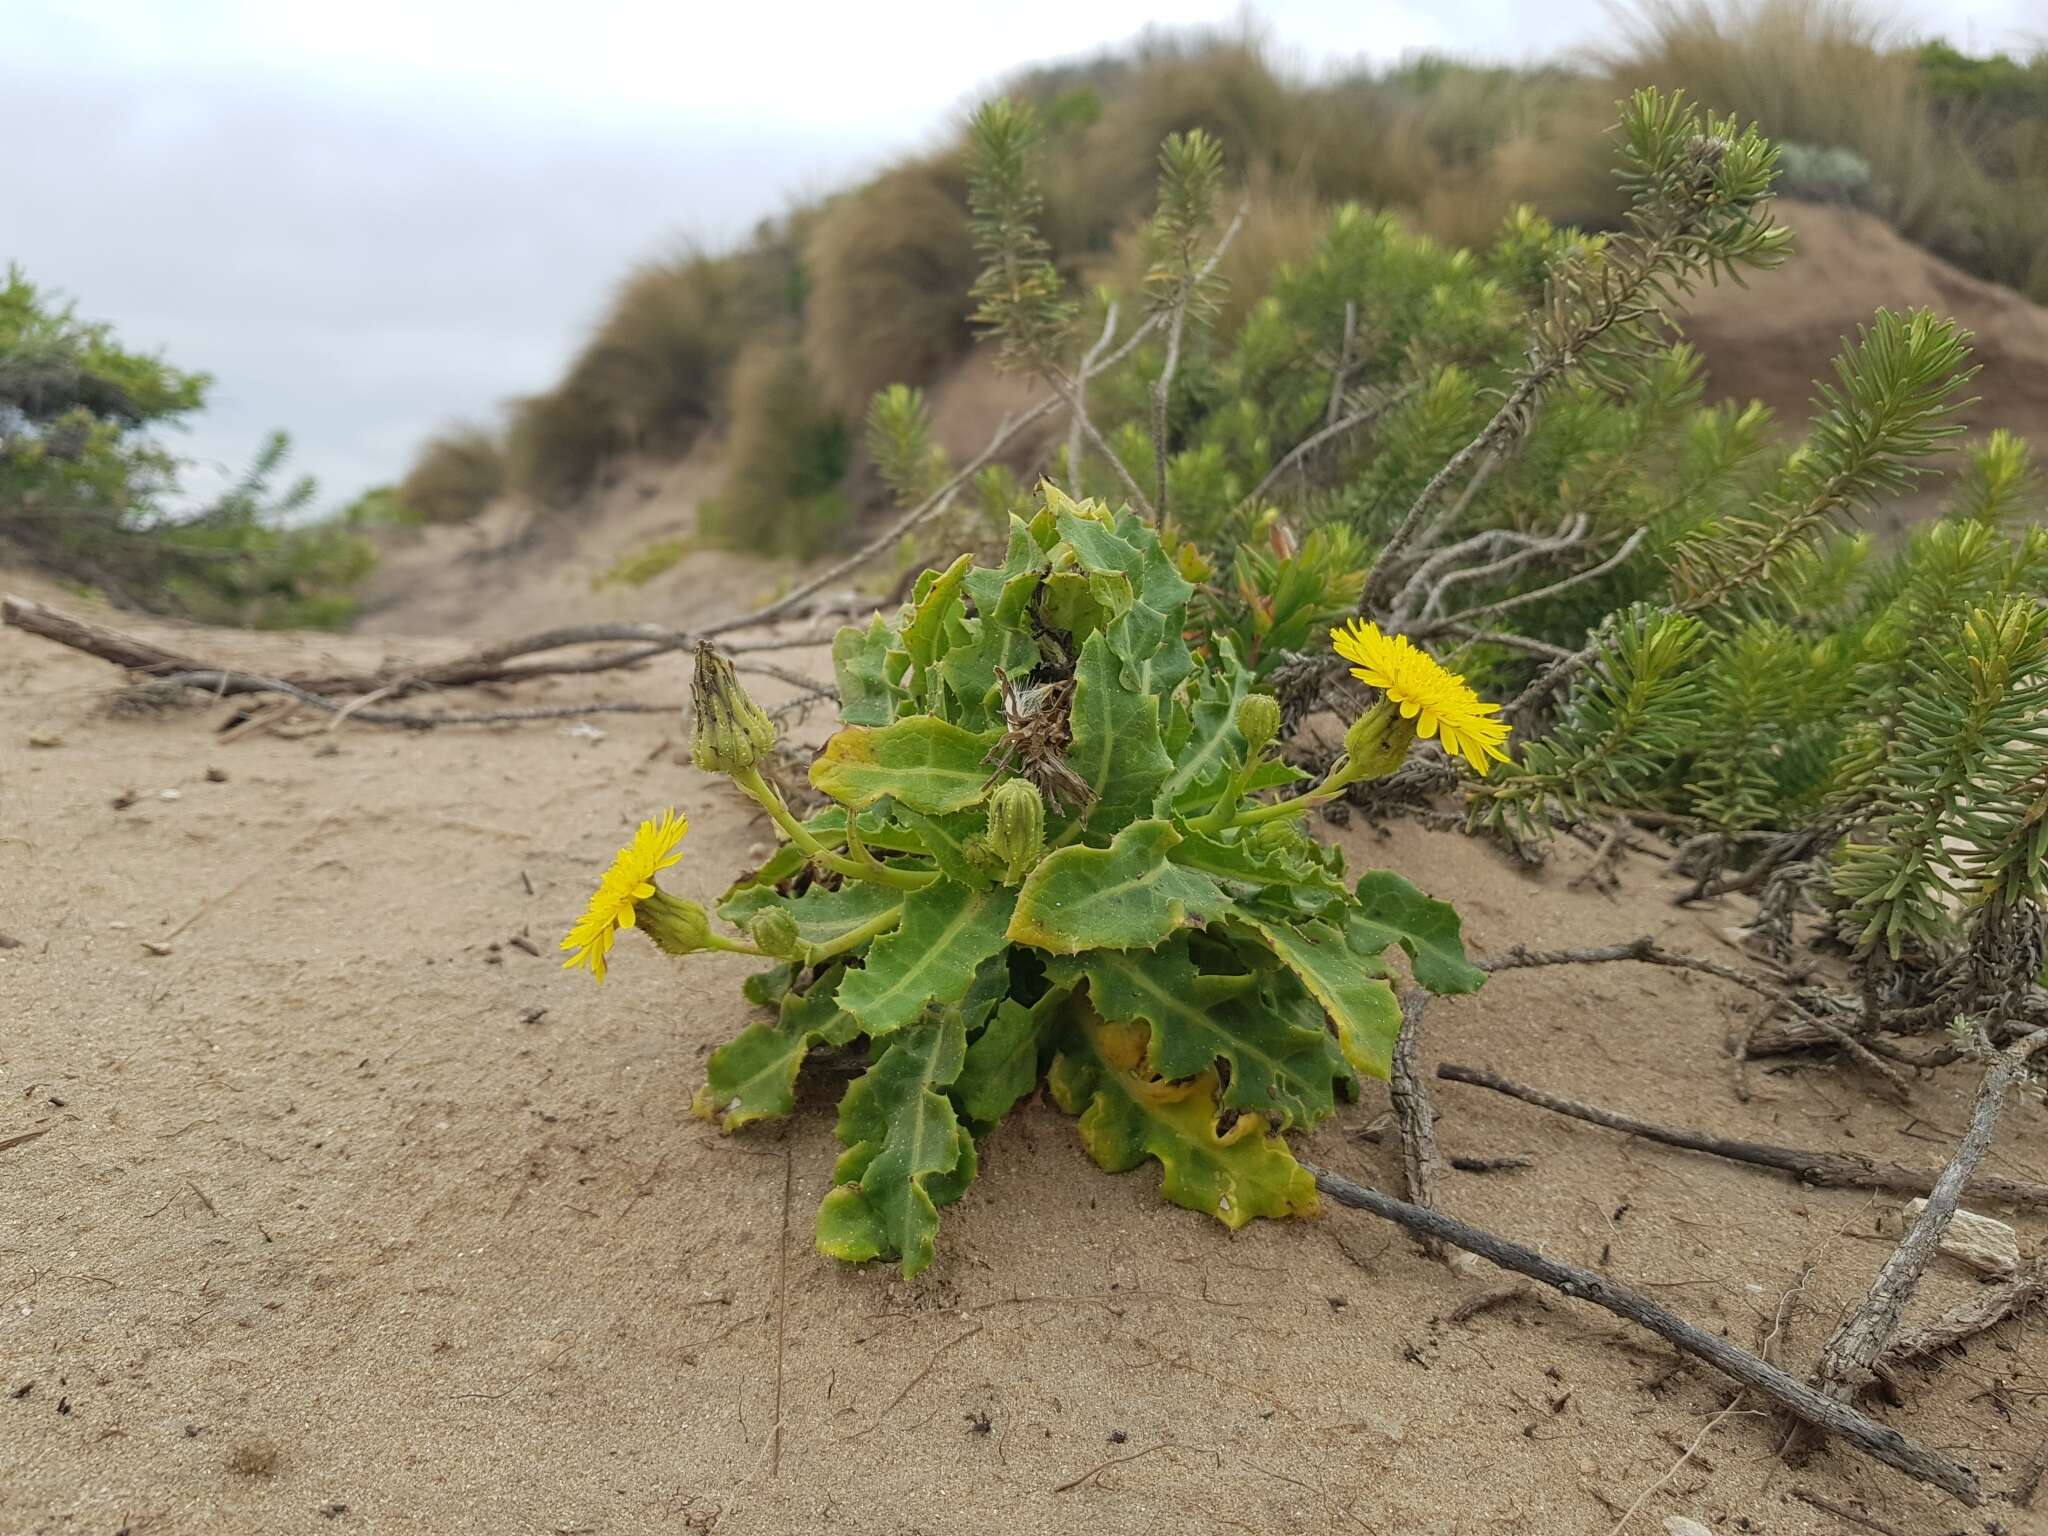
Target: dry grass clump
(454,476)
(1820,73)
(787,454)
(654,374)
(889,266)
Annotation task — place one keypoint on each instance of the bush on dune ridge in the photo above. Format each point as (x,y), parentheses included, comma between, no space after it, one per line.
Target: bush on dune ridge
(1950,149)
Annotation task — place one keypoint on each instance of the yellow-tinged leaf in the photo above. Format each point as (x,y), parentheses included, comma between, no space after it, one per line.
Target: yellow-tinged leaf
(1127,1115)
(928,764)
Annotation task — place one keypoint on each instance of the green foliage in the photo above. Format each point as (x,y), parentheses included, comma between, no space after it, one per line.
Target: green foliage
(1019,299)
(1888,412)
(1051,874)
(1958,788)
(640,566)
(900,445)
(87,489)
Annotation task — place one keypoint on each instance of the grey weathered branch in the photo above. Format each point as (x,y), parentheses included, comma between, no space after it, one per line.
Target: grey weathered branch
(224,683)
(1878,1441)
(1363,416)
(1089,359)
(1830,1170)
(1847,1359)
(1422,1166)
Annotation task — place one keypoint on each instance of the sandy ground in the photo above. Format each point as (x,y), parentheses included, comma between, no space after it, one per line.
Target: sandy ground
(345,1210)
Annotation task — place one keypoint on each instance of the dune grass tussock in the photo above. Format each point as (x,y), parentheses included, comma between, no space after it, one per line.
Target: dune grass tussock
(455,475)
(888,269)
(787,453)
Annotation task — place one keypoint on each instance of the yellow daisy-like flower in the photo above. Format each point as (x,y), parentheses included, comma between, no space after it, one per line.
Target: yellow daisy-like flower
(628,882)
(1438,700)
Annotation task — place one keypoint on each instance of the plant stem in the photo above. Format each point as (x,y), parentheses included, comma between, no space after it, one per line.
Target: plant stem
(750,780)
(847,942)
(734,947)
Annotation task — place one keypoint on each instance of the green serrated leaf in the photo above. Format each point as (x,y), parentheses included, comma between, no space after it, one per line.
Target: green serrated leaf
(944,840)
(859,657)
(1352,988)
(823,918)
(1002,1061)
(970,663)
(1147,637)
(1083,603)
(932,957)
(764,989)
(1129,895)
(753,1077)
(1116,747)
(1276,1065)
(924,635)
(907,1154)
(994,589)
(926,763)
(1127,1115)
(1391,911)
(1239,855)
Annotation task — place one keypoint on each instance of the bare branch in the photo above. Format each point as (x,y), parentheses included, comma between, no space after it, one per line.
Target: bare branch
(1847,1358)
(1827,1170)
(1878,1441)
(1087,371)
(1364,416)
(1421,1165)
(1522,599)
(222,683)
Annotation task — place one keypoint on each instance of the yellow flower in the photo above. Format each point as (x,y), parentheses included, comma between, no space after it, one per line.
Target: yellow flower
(1438,700)
(628,882)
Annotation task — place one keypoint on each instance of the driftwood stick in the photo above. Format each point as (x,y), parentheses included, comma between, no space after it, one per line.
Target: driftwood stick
(1873,1439)
(1827,1170)
(1421,1166)
(1847,1358)
(1645,949)
(492,664)
(224,683)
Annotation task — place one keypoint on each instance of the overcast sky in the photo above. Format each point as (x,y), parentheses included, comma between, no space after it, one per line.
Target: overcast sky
(369,220)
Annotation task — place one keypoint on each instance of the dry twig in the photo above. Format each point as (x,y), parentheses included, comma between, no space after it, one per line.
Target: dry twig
(1827,1170)
(1847,1359)
(1876,1440)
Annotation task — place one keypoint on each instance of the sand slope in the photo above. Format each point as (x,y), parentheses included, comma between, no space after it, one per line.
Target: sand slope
(349,1213)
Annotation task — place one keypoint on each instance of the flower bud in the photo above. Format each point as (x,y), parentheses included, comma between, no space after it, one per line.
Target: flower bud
(676,925)
(1258,721)
(1376,743)
(1016,826)
(728,731)
(774,933)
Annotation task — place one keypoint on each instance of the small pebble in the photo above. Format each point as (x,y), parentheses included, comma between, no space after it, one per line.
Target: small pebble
(45,739)
(169,794)
(1679,1525)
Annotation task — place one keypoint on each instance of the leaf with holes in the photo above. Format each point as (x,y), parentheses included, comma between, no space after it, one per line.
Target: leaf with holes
(1127,1115)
